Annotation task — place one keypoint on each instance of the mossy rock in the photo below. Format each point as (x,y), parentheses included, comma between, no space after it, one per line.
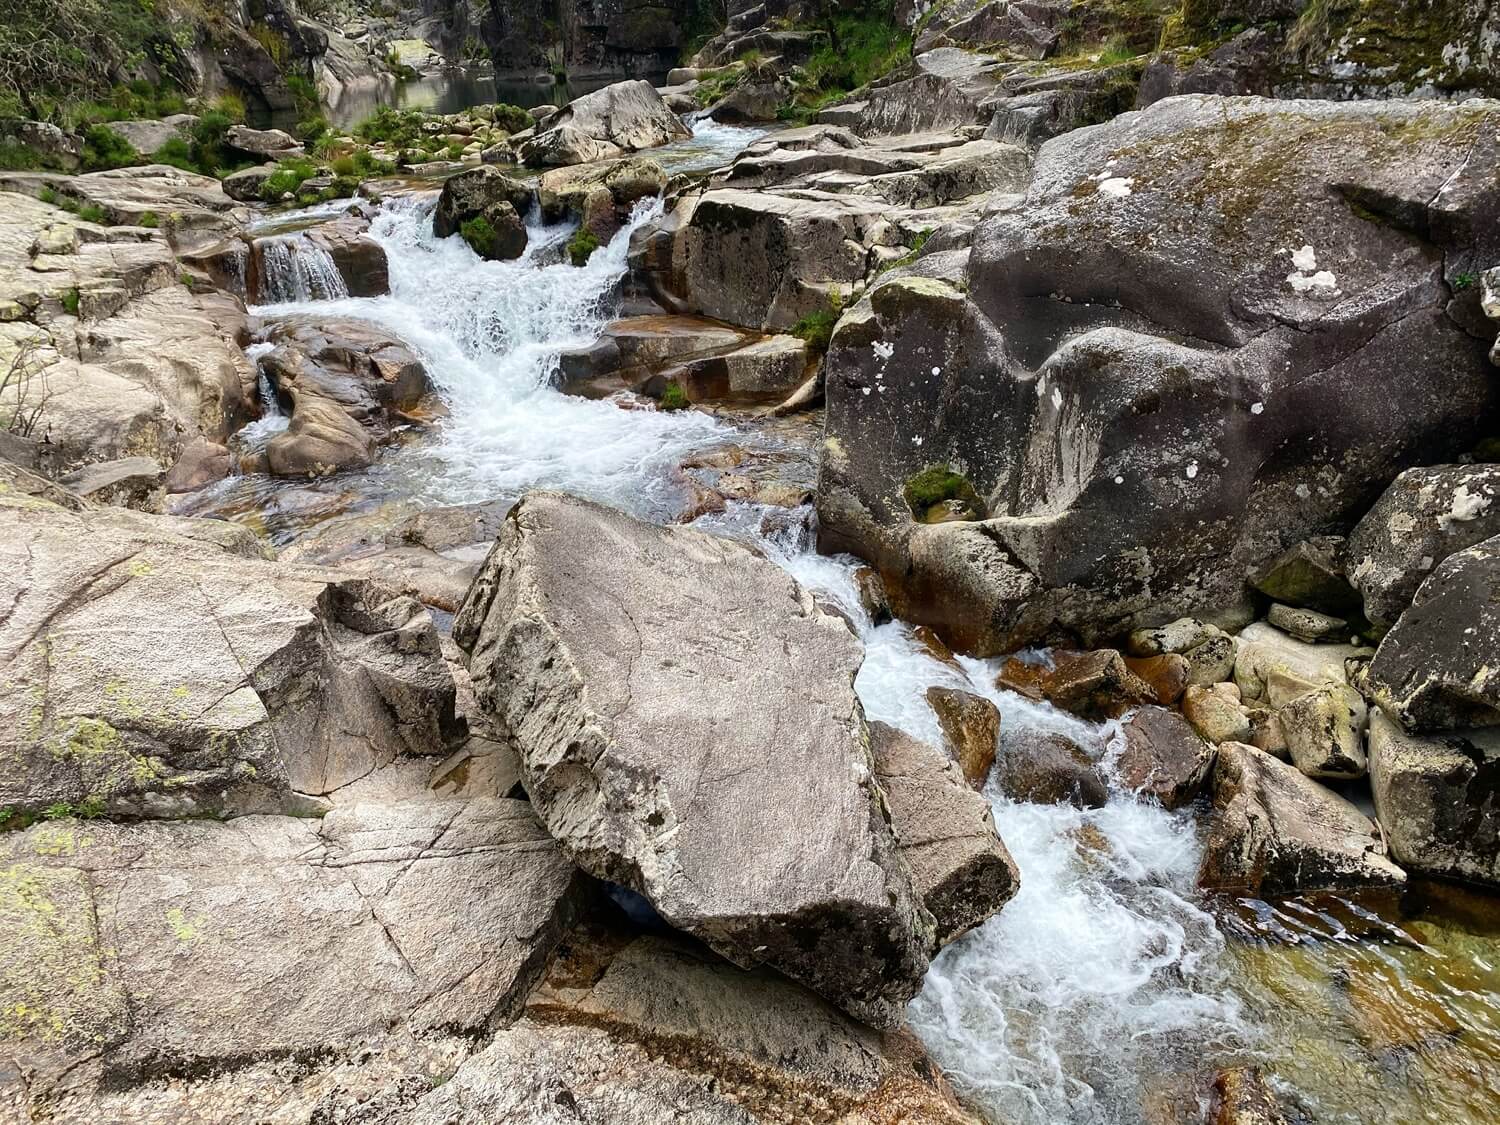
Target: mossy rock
(938,494)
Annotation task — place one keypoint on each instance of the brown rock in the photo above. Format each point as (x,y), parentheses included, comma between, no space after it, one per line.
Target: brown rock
(1167,674)
(971,726)
(1095,684)
(1047,768)
(1164,757)
(1242,1097)
(202,462)
(1217,713)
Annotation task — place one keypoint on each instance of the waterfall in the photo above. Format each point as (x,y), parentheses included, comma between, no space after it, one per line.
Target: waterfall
(294,268)
(272,421)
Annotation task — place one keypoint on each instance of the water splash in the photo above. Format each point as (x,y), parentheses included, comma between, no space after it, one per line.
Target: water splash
(490,334)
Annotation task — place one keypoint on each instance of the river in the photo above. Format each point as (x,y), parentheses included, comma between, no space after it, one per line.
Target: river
(1110,987)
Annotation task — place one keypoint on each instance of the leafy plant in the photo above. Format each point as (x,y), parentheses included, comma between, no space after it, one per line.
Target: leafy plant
(582,246)
(673,397)
(70,302)
(18,157)
(312,128)
(103,148)
(47,195)
(511,118)
(91,213)
(816,328)
(1462,281)
(478,233)
(288,177)
(148,219)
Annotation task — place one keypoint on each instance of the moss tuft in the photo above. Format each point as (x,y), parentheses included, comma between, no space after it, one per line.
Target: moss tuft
(939,485)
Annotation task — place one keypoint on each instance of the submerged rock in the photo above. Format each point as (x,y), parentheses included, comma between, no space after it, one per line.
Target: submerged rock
(1278,832)
(611,649)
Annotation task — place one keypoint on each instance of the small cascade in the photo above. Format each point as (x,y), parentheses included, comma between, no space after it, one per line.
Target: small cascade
(295,268)
(272,421)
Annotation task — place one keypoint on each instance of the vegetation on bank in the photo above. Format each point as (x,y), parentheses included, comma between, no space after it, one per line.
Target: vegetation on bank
(581,247)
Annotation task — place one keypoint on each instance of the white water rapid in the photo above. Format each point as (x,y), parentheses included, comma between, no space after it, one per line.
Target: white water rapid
(294,268)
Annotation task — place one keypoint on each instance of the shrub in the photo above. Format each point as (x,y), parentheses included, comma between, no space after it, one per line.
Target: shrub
(511,118)
(70,302)
(148,219)
(454,151)
(18,157)
(1462,281)
(478,233)
(90,213)
(582,246)
(398,128)
(229,105)
(178,153)
(103,149)
(673,397)
(343,166)
(312,128)
(288,177)
(817,327)
(366,165)
(47,195)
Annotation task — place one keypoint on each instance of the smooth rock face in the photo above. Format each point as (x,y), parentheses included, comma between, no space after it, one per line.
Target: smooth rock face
(1274,668)
(1279,832)
(1422,518)
(945,831)
(611,650)
(971,726)
(1325,731)
(1079,368)
(624,117)
(1163,757)
(1438,799)
(181,945)
(1439,667)
(163,667)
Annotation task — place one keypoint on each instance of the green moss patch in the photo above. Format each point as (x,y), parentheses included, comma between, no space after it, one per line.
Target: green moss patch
(935,487)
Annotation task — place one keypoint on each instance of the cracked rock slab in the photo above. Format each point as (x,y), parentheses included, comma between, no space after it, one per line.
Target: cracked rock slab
(688,728)
(190,944)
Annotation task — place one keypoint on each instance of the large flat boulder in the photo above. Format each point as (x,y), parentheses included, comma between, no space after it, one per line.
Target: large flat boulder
(1189,348)
(1439,668)
(621,118)
(688,728)
(1438,799)
(141,950)
(164,667)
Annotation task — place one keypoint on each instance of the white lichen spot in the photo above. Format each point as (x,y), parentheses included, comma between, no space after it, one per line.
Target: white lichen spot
(883,349)
(1192,469)
(1116,187)
(1119,480)
(1466,506)
(1056,398)
(1302,491)
(1305,259)
(916,441)
(937,370)
(866,390)
(1306,277)
(1257,408)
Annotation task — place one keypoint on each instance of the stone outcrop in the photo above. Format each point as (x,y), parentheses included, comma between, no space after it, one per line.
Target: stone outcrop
(484,192)
(1438,799)
(1103,506)
(1423,517)
(622,118)
(1438,668)
(1278,832)
(162,667)
(607,647)
(603,38)
(945,831)
(348,383)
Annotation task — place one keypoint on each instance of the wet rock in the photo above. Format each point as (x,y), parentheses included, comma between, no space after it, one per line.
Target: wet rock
(131,482)
(1279,832)
(1095,684)
(1307,624)
(971,727)
(765,370)
(600,196)
(1047,768)
(1163,757)
(162,667)
(1324,731)
(1438,668)
(190,945)
(1167,675)
(1423,517)
(484,192)
(349,382)
(1243,1097)
(1215,711)
(1309,574)
(202,462)
(872,595)
(604,671)
(945,831)
(624,117)
(1436,798)
(1143,525)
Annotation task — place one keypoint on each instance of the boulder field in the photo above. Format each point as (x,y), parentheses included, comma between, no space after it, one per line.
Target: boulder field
(1155,399)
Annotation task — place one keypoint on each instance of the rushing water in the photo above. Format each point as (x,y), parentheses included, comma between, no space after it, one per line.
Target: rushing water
(294,268)
(1109,989)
